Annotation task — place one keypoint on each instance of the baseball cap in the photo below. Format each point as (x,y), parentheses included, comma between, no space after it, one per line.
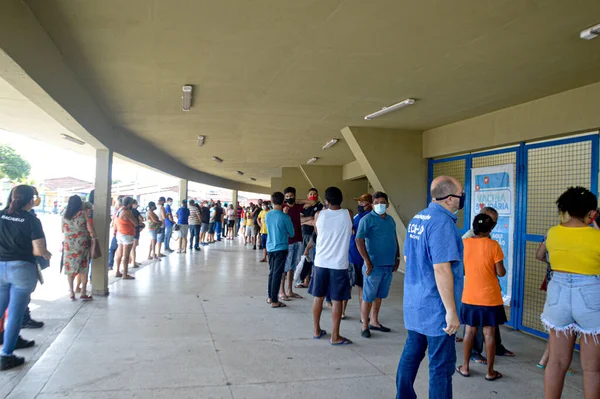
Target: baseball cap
(365,197)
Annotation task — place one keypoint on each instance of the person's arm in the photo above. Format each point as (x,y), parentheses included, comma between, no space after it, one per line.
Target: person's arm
(129,216)
(39,249)
(500,270)
(499,261)
(259,221)
(163,212)
(290,227)
(540,254)
(444,279)
(306,202)
(309,246)
(89,225)
(307,220)
(362,247)
(397,263)
(315,222)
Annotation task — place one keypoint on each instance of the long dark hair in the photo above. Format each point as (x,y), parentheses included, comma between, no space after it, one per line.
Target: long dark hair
(483,224)
(20,197)
(73,206)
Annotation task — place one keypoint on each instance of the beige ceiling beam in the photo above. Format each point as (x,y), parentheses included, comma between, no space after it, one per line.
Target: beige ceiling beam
(31,63)
(391,159)
(572,111)
(292,176)
(321,177)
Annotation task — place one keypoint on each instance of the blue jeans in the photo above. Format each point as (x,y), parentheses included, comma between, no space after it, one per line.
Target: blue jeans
(294,255)
(442,361)
(218,227)
(237,226)
(114,245)
(194,233)
(17,281)
(168,233)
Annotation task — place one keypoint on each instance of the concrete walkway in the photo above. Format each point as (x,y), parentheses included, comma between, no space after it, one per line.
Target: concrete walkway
(197,326)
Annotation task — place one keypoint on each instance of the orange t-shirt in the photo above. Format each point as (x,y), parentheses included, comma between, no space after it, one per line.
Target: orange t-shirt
(481,282)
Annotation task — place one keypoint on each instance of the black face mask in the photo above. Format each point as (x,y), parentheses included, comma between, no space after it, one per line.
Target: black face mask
(290,200)
(361,209)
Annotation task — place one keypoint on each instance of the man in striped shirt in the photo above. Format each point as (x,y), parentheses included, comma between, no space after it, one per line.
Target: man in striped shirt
(194,221)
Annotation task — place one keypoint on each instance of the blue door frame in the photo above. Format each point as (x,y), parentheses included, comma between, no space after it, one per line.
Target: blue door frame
(520,236)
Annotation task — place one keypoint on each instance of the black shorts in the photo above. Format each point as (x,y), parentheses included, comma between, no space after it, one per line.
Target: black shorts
(337,282)
(231,223)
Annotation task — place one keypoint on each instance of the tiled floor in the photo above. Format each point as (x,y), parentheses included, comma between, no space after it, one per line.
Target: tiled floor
(197,326)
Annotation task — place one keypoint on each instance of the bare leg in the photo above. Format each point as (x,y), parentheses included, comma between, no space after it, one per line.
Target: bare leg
(336,318)
(469,338)
(118,258)
(290,283)
(133,253)
(317,309)
(590,363)
(179,243)
(185,242)
(365,309)
(282,289)
(561,354)
(375,313)
(71,279)
(78,283)
(160,243)
(151,253)
(84,281)
(544,360)
(489,334)
(360,301)
(344,306)
(127,252)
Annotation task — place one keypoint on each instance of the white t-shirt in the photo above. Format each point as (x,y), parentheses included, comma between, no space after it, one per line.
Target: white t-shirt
(334,228)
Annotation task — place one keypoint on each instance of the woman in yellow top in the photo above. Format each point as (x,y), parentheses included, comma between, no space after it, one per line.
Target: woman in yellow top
(249,224)
(262,222)
(573,301)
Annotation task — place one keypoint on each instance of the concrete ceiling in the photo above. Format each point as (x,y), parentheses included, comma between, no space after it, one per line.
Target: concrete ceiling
(275,80)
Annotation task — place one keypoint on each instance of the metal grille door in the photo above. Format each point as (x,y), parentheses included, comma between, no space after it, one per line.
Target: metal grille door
(549,169)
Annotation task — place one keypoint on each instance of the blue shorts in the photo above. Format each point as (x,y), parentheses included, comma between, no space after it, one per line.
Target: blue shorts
(573,304)
(294,255)
(153,234)
(336,282)
(263,240)
(377,284)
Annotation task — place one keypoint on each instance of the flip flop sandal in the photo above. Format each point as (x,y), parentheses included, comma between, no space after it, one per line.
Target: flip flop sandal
(118,275)
(345,341)
(280,305)
(459,339)
(507,354)
(459,371)
(86,298)
(323,333)
(301,286)
(72,297)
(285,298)
(268,300)
(479,359)
(128,277)
(296,296)
(494,378)
(539,366)
(381,328)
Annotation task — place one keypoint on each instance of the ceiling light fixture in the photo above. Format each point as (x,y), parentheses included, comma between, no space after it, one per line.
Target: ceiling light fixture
(590,33)
(72,139)
(385,110)
(217,159)
(253,179)
(239,172)
(186,98)
(312,160)
(201,141)
(330,143)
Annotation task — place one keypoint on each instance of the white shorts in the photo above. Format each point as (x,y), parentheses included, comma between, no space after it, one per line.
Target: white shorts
(124,239)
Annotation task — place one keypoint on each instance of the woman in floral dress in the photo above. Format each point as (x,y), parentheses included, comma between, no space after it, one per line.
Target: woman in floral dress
(78,231)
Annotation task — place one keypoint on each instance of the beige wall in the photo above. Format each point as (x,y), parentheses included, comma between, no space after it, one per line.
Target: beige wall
(392,161)
(293,177)
(572,111)
(322,177)
(352,171)
(276,184)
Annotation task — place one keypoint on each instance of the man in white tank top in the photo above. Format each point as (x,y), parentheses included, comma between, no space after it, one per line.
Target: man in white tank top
(334,228)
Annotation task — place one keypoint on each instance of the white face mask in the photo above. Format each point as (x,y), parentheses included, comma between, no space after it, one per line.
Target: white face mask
(380,208)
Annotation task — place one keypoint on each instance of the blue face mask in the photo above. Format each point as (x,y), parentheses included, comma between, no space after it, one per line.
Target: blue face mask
(379,208)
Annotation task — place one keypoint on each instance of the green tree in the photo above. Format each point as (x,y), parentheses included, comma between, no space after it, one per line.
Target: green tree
(12,165)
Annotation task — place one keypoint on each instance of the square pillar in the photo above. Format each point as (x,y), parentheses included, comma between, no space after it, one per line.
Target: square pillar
(183,190)
(102,215)
(234,199)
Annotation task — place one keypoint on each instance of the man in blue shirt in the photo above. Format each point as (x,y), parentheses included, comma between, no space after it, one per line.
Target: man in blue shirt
(378,246)
(433,284)
(365,202)
(280,229)
(169,223)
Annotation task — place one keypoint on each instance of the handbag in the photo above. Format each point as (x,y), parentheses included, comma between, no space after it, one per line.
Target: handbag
(95,251)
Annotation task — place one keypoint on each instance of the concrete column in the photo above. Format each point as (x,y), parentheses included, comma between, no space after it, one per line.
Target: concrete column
(321,177)
(393,162)
(102,214)
(234,199)
(183,190)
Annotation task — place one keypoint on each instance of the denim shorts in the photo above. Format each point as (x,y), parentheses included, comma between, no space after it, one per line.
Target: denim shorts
(153,234)
(573,304)
(377,284)
(332,281)
(294,255)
